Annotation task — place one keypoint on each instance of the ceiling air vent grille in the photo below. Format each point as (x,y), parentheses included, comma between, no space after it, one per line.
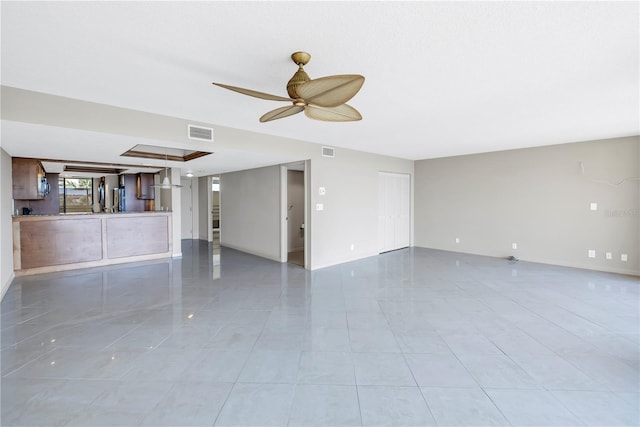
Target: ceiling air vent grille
(328,152)
(200,133)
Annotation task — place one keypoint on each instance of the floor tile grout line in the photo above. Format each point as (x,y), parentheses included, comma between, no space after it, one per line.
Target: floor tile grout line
(495,405)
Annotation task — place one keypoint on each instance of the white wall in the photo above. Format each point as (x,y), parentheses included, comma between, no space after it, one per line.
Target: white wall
(350,206)
(350,214)
(538,198)
(189,208)
(176,215)
(250,211)
(6,234)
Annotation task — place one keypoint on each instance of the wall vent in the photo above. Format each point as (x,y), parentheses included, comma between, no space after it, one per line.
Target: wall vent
(200,133)
(328,152)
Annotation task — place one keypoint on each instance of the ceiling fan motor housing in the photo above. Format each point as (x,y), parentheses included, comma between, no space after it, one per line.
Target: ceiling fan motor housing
(299,78)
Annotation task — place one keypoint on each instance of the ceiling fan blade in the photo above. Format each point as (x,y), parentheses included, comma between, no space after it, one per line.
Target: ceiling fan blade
(341,113)
(331,91)
(281,112)
(255,93)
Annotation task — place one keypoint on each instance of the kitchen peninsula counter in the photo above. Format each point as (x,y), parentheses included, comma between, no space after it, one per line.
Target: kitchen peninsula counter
(48,243)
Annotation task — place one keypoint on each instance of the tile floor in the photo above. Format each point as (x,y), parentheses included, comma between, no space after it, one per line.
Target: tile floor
(414,337)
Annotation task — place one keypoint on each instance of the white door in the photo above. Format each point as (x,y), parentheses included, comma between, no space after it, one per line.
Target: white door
(394,207)
(186,208)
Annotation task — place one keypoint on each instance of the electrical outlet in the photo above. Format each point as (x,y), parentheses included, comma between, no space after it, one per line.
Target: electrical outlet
(319,207)
(457,240)
(593,206)
(608,255)
(514,246)
(623,257)
(353,247)
(592,253)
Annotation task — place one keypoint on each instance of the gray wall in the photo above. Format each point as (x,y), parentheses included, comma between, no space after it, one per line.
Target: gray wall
(538,198)
(6,234)
(250,211)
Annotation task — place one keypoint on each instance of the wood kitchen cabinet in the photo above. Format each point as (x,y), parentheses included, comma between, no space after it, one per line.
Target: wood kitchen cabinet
(144,186)
(50,205)
(29,181)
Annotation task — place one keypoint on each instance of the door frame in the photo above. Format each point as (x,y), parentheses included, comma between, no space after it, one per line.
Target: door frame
(284,229)
(409,207)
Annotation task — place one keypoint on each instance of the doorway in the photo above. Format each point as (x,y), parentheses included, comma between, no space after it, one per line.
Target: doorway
(294,227)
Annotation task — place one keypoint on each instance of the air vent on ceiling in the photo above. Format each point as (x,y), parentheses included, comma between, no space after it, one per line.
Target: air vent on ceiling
(328,152)
(200,133)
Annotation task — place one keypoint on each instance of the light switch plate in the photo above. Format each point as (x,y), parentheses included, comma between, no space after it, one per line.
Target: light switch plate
(623,257)
(594,206)
(608,255)
(322,191)
(592,253)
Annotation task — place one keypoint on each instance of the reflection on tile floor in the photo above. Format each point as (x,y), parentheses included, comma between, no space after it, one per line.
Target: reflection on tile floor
(413,337)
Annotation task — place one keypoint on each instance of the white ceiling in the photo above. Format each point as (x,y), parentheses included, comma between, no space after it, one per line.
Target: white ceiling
(442,78)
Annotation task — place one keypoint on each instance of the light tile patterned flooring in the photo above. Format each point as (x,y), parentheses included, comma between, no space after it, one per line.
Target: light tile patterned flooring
(414,337)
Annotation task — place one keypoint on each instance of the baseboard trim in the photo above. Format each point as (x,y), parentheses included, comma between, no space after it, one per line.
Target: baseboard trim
(7,284)
(343,260)
(626,272)
(252,252)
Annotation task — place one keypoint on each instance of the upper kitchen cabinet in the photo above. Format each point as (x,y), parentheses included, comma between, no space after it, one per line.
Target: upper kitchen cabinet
(29,180)
(144,186)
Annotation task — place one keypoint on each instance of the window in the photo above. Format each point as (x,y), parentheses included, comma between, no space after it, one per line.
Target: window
(76,195)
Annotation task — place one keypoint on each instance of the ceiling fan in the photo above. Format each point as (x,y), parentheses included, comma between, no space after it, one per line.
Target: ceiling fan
(320,99)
